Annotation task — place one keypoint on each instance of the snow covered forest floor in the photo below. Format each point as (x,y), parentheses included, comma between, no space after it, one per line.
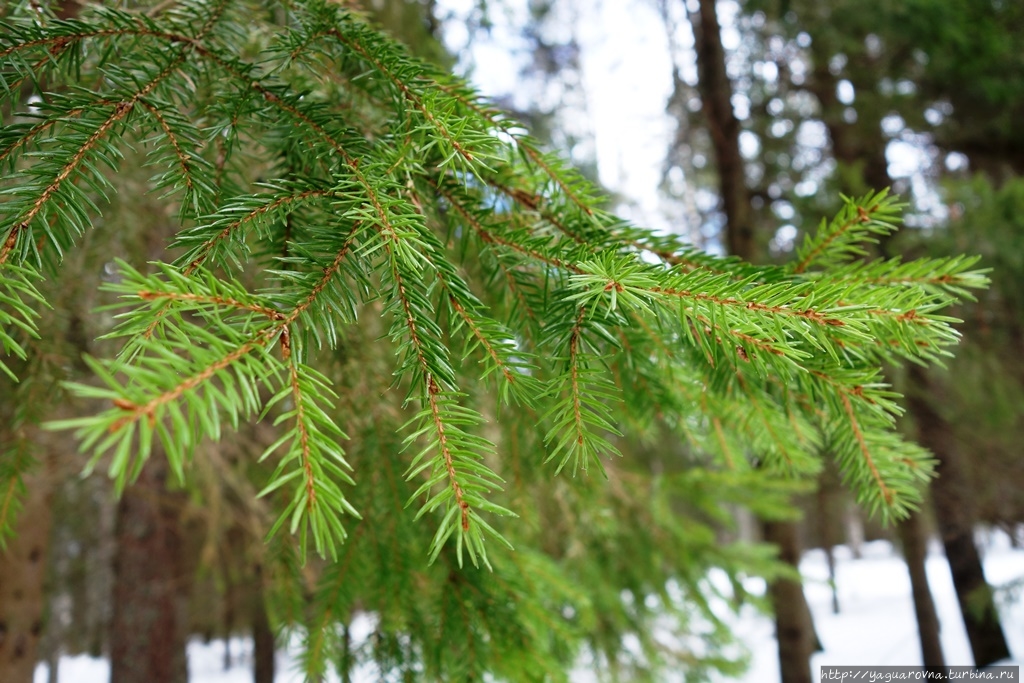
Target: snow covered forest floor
(875,624)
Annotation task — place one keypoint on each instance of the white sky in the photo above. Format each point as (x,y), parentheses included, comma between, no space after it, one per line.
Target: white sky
(626,77)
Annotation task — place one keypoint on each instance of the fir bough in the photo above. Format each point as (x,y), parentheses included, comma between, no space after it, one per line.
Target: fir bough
(322,179)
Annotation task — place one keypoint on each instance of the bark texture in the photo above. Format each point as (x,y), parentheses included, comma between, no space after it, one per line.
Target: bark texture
(22,577)
(149,627)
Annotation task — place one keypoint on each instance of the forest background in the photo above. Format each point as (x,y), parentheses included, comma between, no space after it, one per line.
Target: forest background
(790,105)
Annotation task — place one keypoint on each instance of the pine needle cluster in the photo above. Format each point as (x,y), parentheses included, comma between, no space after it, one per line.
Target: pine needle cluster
(325,183)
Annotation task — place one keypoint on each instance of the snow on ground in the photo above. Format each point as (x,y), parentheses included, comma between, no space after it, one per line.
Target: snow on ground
(875,624)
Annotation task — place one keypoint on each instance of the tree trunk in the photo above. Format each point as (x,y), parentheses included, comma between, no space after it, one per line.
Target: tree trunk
(22,576)
(915,551)
(148,629)
(53,667)
(716,97)
(955,515)
(829,502)
(853,525)
(794,628)
(262,635)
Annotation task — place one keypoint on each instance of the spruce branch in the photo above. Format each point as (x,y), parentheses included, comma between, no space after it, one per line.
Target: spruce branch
(33,199)
(331,170)
(247,326)
(313,459)
(953,276)
(457,462)
(846,236)
(540,249)
(367,44)
(669,248)
(18,298)
(493,339)
(582,395)
(24,406)
(21,135)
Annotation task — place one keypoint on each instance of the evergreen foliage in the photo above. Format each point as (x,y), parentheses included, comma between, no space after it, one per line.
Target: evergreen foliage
(982,391)
(335,195)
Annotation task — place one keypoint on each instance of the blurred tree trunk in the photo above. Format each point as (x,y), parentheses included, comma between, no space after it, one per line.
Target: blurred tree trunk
(858,144)
(147,640)
(262,634)
(716,97)
(853,526)
(22,576)
(829,503)
(954,513)
(794,626)
(915,550)
(23,562)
